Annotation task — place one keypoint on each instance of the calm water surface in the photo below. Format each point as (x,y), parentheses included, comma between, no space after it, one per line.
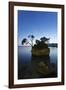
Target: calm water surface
(36,67)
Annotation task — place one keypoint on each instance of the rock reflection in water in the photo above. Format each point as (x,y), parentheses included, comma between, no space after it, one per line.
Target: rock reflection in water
(43,67)
(39,67)
(30,66)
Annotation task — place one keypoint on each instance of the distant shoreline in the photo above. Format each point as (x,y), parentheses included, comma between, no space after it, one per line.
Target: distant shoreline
(49,45)
(53,45)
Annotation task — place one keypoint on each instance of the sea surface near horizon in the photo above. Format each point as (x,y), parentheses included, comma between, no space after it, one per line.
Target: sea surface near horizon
(36,67)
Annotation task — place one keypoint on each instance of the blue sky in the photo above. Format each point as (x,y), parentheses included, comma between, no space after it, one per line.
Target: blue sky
(37,23)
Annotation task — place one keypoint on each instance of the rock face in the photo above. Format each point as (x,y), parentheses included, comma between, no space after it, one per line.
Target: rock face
(40,52)
(41,47)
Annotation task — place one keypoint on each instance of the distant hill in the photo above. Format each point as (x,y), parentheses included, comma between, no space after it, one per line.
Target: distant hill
(53,45)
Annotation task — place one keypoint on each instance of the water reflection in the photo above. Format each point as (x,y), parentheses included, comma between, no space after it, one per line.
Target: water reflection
(44,67)
(30,66)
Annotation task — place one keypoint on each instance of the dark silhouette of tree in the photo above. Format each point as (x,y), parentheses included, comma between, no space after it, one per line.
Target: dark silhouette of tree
(37,42)
(31,38)
(44,39)
(25,41)
(41,44)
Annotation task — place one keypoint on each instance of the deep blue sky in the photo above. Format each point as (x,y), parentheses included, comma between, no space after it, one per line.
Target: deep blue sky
(37,23)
